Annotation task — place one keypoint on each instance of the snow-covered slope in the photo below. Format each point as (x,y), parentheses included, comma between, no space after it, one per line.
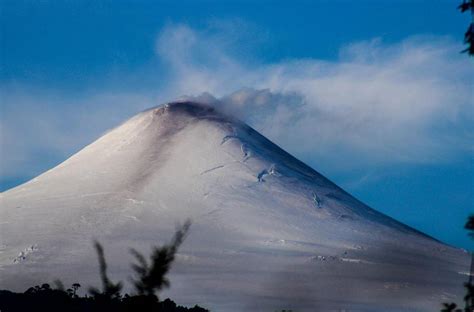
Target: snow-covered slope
(268,232)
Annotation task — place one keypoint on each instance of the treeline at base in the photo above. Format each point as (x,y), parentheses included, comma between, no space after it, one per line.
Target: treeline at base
(45,298)
(150,278)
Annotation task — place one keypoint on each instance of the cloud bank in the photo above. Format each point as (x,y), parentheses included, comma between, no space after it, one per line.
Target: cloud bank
(377,103)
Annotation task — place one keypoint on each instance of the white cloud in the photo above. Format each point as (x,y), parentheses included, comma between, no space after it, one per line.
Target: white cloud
(378,103)
(407,102)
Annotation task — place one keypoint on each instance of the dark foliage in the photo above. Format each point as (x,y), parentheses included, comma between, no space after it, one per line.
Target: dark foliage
(151,277)
(469,285)
(470,226)
(109,289)
(468,5)
(450,307)
(44,298)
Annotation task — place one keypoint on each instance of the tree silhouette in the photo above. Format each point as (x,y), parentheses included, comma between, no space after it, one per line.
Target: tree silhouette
(470,226)
(151,276)
(469,285)
(468,5)
(75,287)
(450,307)
(109,289)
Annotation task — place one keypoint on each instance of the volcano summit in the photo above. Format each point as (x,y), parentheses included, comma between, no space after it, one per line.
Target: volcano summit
(268,232)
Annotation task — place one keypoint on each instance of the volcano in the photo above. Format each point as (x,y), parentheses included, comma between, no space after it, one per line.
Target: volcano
(268,232)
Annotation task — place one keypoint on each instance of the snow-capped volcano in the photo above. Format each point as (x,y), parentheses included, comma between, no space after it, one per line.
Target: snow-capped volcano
(268,232)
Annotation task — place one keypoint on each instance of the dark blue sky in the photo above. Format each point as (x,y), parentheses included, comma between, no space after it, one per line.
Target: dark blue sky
(71,43)
(71,69)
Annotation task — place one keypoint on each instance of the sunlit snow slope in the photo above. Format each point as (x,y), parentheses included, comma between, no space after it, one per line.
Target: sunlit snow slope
(268,232)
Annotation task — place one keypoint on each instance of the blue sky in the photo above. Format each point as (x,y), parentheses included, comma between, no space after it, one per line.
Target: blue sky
(373,94)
